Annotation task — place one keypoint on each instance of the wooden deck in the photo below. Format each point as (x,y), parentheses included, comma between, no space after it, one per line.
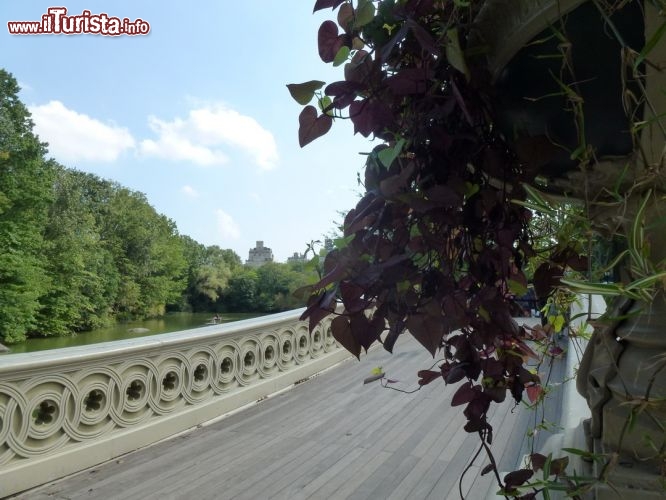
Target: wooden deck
(330,437)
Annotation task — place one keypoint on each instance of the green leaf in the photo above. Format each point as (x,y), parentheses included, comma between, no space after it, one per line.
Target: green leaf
(646,282)
(605,289)
(454,53)
(593,288)
(578,152)
(540,202)
(341,243)
(471,189)
(304,92)
(341,56)
(558,323)
(365,13)
(517,288)
(324,103)
(638,236)
(387,156)
(649,45)
(616,260)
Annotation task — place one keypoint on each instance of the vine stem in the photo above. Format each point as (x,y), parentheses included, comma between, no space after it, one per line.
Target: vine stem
(491,457)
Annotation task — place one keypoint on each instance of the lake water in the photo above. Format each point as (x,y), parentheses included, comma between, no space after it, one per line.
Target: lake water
(169,323)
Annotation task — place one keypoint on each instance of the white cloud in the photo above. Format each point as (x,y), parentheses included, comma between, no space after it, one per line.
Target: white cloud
(189,191)
(226,226)
(201,137)
(174,143)
(74,136)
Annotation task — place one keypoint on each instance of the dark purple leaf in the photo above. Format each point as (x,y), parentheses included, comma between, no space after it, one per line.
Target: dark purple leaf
(461,102)
(559,465)
(487,469)
(420,7)
(455,374)
(397,183)
(319,306)
(477,407)
(427,376)
(311,126)
(427,330)
(410,81)
(361,117)
(323,4)
(538,460)
(517,388)
(555,351)
(517,477)
(341,329)
(342,87)
(444,196)
(365,212)
(342,101)
(388,48)
(546,278)
(395,331)
(366,331)
(577,262)
(370,116)
(346,17)
(476,425)
(359,68)
(496,393)
(425,40)
(465,393)
(329,41)
(352,297)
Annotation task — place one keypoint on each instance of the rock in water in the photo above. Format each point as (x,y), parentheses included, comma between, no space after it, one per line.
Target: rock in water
(138,330)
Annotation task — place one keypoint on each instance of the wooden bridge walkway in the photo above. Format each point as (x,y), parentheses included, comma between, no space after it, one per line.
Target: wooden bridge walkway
(330,437)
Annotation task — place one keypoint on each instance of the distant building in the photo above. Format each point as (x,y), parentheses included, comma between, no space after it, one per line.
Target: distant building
(297,257)
(328,245)
(259,255)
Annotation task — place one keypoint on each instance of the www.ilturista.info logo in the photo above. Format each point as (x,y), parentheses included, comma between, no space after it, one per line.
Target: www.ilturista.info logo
(56,21)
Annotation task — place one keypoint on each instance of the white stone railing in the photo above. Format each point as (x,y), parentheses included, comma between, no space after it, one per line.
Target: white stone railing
(64,410)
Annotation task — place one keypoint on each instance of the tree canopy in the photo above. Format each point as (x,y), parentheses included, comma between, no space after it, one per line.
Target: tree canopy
(78,252)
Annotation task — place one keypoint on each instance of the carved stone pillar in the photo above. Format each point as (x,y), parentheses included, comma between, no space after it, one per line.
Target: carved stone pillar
(623,371)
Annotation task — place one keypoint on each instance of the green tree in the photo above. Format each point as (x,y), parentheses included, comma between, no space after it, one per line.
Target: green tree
(25,182)
(71,247)
(242,293)
(209,271)
(148,255)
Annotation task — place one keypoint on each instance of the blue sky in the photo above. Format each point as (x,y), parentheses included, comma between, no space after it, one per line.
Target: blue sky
(195,114)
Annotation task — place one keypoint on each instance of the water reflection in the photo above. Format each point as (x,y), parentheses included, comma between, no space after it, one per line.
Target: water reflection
(170,323)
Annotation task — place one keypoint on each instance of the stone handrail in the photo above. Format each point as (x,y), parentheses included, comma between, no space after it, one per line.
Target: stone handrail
(65,410)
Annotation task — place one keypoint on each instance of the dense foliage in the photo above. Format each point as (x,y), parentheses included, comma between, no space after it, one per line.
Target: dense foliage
(78,252)
(439,244)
